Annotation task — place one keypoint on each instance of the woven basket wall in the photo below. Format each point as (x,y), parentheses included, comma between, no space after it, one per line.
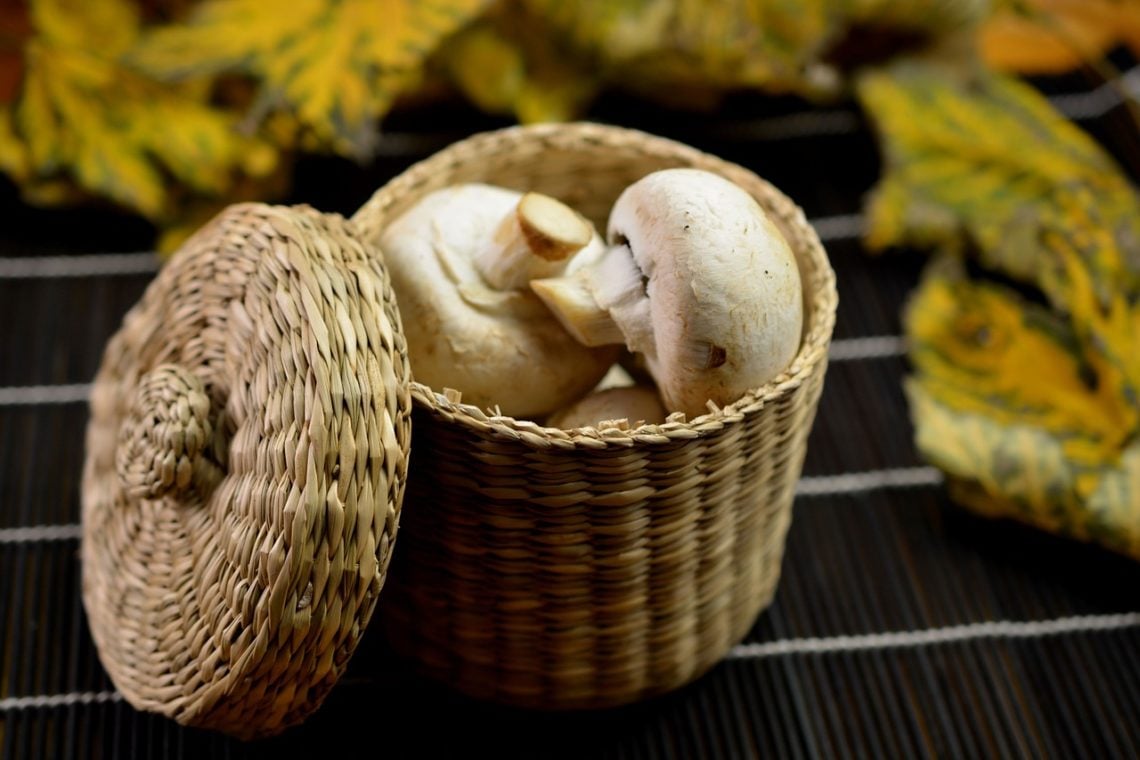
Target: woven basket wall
(585,569)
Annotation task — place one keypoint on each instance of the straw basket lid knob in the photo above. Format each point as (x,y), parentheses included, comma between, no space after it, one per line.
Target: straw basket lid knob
(246,459)
(164,444)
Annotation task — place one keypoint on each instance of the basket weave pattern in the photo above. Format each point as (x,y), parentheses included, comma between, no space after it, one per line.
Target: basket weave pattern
(247,452)
(589,568)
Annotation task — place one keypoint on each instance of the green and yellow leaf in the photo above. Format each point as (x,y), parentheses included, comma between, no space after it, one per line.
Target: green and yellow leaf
(982,163)
(81,114)
(662,47)
(1021,472)
(13,155)
(338,64)
(986,349)
(986,151)
(1030,407)
(511,63)
(1003,403)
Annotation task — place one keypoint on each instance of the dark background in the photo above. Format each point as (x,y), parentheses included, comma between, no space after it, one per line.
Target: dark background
(863,556)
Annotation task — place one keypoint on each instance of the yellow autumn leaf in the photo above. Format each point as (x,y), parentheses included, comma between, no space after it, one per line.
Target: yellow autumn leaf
(982,162)
(510,62)
(1031,408)
(545,60)
(338,64)
(1112,509)
(1020,472)
(980,148)
(488,67)
(987,349)
(662,46)
(1054,36)
(1003,403)
(13,155)
(80,113)
(1000,469)
(1097,285)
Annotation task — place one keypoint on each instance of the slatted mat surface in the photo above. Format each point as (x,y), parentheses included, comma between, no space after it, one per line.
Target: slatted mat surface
(903,626)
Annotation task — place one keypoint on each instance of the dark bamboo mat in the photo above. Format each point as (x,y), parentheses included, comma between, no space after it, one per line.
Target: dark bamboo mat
(903,626)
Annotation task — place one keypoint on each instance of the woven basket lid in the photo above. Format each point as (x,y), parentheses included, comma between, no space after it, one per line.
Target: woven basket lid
(246,459)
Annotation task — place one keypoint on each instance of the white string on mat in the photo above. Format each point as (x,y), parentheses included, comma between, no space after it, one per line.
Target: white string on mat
(998,629)
(12,704)
(832,229)
(1100,100)
(869,347)
(84,265)
(1080,106)
(41,533)
(871,480)
(829,229)
(32,395)
(842,350)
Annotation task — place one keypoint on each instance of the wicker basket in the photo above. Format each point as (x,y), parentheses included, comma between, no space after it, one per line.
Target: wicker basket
(584,569)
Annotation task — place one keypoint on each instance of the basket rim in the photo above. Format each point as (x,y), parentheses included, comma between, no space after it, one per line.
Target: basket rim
(810,358)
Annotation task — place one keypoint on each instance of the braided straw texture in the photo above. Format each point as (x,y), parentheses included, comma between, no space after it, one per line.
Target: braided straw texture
(246,458)
(589,568)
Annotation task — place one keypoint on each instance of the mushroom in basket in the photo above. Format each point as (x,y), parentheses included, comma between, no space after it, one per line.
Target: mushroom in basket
(698,280)
(460,261)
(636,404)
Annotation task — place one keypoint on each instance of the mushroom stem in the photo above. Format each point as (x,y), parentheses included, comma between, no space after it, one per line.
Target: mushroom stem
(535,240)
(603,304)
(572,301)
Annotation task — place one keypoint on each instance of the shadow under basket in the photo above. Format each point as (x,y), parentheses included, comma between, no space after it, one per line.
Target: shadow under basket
(585,569)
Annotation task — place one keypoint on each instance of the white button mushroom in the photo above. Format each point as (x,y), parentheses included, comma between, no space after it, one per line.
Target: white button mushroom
(698,279)
(460,261)
(636,404)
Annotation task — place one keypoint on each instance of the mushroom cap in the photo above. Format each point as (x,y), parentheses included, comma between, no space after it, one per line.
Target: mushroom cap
(725,298)
(635,403)
(498,347)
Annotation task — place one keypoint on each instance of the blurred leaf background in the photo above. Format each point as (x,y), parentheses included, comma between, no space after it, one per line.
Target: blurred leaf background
(1024,334)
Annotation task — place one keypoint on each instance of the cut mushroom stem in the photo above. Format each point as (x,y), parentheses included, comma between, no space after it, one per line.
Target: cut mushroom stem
(603,304)
(572,301)
(536,239)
